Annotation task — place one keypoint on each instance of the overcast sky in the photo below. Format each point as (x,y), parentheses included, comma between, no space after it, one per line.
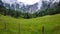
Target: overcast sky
(28,1)
(24,1)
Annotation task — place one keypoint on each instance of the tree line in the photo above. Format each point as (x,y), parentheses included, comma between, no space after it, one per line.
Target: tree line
(49,11)
(16,14)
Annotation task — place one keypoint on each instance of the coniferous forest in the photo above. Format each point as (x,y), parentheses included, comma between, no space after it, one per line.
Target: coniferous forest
(16,14)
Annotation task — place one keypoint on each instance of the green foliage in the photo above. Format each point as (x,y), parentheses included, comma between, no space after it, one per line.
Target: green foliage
(16,14)
(50,11)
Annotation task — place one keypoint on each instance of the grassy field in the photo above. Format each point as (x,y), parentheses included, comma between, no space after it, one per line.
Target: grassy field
(30,26)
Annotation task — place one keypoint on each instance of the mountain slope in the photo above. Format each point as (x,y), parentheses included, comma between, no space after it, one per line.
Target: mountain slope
(30,26)
(41,5)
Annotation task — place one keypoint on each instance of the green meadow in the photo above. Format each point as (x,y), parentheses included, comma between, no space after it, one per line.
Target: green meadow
(30,26)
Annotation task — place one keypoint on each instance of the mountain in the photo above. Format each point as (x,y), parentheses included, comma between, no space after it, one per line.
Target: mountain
(49,4)
(1,3)
(20,6)
(30,8)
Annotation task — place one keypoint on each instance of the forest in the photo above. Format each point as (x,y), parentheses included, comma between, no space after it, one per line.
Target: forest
(16,14)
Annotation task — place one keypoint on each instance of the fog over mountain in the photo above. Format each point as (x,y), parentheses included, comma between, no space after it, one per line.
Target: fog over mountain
(30,2)
(41,4)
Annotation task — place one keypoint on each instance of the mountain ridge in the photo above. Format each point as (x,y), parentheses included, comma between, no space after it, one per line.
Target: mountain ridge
(30,8)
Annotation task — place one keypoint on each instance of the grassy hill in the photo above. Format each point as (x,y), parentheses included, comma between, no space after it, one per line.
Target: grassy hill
(30,26)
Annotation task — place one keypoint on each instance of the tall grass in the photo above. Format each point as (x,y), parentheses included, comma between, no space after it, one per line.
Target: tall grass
(30,26)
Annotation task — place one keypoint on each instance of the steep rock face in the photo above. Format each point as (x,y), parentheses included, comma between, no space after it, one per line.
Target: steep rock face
(22,6)
(41,5)
(1,3)
(49,4)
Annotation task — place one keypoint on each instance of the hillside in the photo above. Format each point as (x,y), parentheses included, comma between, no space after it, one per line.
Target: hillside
(30,26)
